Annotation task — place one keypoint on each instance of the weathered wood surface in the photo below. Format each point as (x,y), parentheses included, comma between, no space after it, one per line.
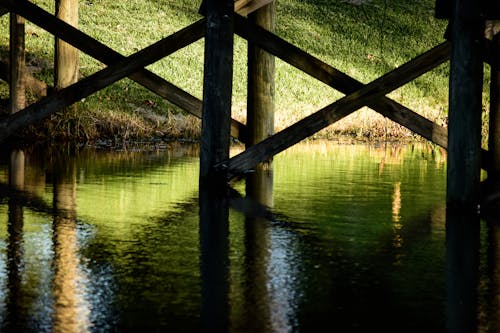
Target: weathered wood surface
(245,7)
(17,61)
(339,80)
(217,86)
(261,86)
(334,112)
(66,66)
(108,56)
(242,7)
(465,109)
(101,79)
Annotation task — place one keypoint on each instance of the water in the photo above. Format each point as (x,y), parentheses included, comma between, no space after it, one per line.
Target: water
(352,238)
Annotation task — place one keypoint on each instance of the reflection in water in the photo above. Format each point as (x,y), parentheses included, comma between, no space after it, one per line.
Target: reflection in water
(462,271)
(255,313)
(71,312)
(15,315)
(396,217)
(214,257)
(495,273)
(123,241)
(489,307)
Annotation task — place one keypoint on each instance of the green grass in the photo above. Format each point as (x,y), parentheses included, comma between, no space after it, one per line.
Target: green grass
(364,41)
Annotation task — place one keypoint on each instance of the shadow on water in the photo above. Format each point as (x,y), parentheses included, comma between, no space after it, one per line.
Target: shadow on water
(226,262)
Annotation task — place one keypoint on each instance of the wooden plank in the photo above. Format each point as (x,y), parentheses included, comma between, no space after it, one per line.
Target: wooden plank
(242,7)
(108,56)
(66,56)
(465,109)
(99,80)
(17,61)
(334,112)
(338,80)
(245,7)
(217,86)
(261,73)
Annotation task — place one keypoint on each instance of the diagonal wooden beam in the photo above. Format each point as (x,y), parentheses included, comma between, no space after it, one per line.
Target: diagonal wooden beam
(334,112)
(101,79)
(108,56)
(339,80)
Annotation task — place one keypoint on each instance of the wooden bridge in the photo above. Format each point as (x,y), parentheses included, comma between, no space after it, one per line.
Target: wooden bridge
(253,20)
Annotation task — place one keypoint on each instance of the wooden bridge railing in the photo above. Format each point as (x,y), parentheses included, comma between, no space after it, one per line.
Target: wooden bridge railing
(249,31)
(105,54)
(259,36)
(131,66)
(328,115)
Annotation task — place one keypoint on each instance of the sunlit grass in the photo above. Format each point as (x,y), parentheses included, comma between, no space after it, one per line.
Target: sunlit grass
(363,39)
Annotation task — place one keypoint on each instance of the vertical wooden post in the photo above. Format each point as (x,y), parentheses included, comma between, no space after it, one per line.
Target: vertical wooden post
(66,56)
(261,68)
(17,55)
(217,85)
(465,106)
(494,128)
(215,140)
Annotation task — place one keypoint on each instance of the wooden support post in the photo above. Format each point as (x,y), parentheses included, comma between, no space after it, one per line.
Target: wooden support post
(217,86)
(494,128)
(465,106)
(17,55)
(261,68)
(66,56)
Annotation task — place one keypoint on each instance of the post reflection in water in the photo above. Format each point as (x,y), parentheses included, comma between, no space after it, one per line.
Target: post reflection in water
(490,309)
(495,231)
(257,299)
(70,313)
(214,256)
(115,242)
(15,317)
(462,271)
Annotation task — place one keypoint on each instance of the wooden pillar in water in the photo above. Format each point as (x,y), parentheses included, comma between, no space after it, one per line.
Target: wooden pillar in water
(217,86)
(261,68)
(494,129)
(465,106)
(17,59)
(66,56)
(215,141)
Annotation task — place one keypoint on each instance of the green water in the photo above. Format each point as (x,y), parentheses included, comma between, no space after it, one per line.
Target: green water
(351,238)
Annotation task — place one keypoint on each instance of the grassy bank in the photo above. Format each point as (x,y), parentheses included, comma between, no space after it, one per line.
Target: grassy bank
(362,39)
